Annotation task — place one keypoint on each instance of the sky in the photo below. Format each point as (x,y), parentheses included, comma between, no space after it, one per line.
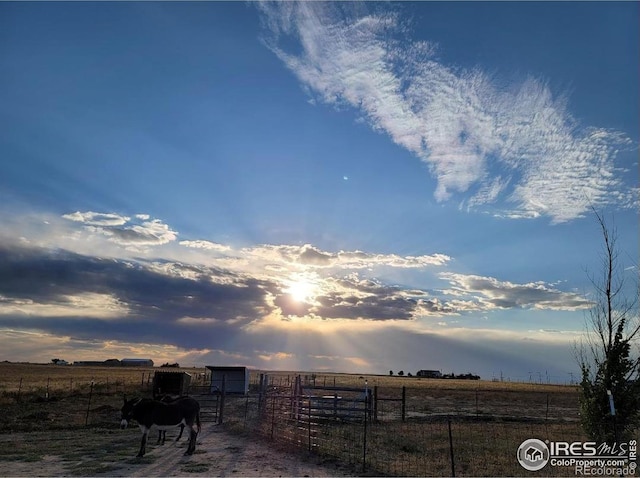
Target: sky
(321,186)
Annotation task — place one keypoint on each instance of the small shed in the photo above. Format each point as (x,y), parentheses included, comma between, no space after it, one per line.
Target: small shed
(171,383)
(236,379)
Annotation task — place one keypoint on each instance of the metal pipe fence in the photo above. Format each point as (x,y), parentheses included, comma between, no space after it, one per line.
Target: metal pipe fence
(479,436)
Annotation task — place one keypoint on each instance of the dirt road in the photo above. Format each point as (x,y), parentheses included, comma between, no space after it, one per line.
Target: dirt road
(218,454)
(222,454)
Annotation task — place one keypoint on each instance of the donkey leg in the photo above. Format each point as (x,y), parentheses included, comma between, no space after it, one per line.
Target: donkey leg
(143,443)
(181,430)
(192,441)
(159,437)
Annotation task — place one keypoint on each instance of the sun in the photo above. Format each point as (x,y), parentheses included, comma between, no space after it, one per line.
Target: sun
(301,289)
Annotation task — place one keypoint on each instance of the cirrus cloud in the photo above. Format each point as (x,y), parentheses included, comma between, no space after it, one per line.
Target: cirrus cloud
(517,150)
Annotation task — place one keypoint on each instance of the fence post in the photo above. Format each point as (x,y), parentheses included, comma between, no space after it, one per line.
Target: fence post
(222,395)
(309,419)
(86,418)
(375,403)
(246,411)
(404,402)
(364,440)
(47,393)
(19,389)
(273,413)
(547,415)
(453,465)
(261,393)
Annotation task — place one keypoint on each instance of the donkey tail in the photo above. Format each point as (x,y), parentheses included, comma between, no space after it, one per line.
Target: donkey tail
(198,421)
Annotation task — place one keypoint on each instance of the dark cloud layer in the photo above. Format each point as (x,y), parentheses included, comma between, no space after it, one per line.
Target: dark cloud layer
(155,301)
(166,302)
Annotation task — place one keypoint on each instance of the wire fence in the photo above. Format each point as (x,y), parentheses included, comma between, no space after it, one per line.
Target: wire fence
(407,431)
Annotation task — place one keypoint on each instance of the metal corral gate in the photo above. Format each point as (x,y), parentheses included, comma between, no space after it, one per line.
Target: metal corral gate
(318,418)
(209,402)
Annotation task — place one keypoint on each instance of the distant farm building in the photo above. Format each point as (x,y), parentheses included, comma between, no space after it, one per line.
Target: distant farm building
(236,379)
(115,363)
(136,362)
(429,374)
(171,383)
(98,363)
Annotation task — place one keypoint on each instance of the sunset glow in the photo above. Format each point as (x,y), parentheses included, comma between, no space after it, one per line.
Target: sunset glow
(302,289)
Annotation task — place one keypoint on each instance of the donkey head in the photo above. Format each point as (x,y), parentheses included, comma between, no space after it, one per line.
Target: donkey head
(127,411)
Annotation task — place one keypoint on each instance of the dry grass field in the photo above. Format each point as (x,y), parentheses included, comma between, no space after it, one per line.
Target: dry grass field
(31,377)
(489,419)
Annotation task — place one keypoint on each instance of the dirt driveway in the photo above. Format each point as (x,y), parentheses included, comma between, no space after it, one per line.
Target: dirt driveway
(218,453)
(222,454)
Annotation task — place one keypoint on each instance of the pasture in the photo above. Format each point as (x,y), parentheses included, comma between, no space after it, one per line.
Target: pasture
(479,423)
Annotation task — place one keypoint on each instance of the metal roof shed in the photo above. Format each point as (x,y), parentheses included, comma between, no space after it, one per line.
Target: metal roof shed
(236,379)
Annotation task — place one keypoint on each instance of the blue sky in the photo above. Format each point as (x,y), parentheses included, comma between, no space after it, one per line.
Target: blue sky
(319,186)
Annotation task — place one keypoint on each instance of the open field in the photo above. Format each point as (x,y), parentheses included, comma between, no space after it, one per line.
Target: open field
(36,376)
(32,377)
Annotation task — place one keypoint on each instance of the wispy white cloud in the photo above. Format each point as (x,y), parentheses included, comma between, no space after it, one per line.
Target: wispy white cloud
(310,256)
(490,293)
(91,218)
(139,232)
(517,149)
(207,245)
